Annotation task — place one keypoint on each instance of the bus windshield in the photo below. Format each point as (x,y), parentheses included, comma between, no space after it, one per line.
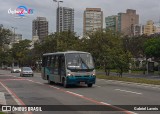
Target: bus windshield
(79,61)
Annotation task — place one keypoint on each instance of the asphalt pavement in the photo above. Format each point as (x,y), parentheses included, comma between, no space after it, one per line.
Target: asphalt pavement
(35,91)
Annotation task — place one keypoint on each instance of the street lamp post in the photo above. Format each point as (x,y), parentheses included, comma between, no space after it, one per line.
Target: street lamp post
(58,20)
(14,29)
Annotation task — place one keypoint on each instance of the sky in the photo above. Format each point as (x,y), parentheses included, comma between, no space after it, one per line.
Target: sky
(147,10)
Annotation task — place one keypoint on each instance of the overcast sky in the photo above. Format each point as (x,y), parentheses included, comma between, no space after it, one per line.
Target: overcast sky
(147,10)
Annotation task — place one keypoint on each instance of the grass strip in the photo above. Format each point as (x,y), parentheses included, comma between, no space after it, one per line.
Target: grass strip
(2,113)
(127,79)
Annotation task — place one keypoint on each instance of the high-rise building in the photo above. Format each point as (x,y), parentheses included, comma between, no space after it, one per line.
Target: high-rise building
(15,38)
(18,37)
(126,21)
(149,28)
(137,30)
(93,20)
(65,19)
(158,30)
(40,28)
(112,23)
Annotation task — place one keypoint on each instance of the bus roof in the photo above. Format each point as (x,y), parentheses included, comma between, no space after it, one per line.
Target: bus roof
(64,52)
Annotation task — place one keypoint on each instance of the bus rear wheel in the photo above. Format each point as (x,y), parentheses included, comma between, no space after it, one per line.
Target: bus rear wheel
(89,85)
(65,85)
(49,81)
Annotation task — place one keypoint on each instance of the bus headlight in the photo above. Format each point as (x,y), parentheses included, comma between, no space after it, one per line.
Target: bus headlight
(93,74)
(69,74)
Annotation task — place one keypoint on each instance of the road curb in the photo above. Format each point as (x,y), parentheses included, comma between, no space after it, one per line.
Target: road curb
(2,99)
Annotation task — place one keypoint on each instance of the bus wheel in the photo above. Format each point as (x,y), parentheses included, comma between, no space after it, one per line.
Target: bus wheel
(65,83)
(90,85)
(49,81)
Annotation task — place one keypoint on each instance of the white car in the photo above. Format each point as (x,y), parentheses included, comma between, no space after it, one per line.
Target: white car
(26,71)
(15,70)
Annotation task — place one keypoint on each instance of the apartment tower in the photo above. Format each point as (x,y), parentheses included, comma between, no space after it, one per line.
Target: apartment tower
(40,28)
(65,19)
(149,28)
(92,21)
(112,23)
(126,21)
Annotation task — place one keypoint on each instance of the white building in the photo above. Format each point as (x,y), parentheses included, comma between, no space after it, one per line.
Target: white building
(137,29)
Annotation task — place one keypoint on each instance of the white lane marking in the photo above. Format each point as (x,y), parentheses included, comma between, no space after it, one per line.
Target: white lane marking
(97,85)
(42,84)
(100,79)
(132,83)
(132,112)
(105,103)
(74,93)
(118,107)
(39,83)
(2,99)
(128,91)
(54,87)
(17,101)
(31,80)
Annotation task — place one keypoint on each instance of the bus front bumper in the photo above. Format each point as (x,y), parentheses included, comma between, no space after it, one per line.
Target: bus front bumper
(81,80)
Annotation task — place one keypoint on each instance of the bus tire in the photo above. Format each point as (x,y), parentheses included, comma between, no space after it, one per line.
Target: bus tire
(65,83)
(49,81)
(90,85)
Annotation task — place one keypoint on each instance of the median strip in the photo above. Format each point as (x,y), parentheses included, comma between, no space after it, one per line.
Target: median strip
(127,79)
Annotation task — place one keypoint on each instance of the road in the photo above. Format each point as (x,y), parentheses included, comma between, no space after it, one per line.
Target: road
(35,91)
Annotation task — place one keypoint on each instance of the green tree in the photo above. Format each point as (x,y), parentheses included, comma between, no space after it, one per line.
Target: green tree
(62,41)
(152,48)
(4,36)
(4,39)
(135,45)
(21,52)
(104,46)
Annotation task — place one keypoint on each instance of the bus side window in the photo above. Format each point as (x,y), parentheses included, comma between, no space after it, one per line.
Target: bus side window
(56,65)
(43,61)
(62,65)
(53,61)
(48,61)
(52,64)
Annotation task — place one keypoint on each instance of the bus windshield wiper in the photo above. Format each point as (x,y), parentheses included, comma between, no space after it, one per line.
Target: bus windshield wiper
(84,62)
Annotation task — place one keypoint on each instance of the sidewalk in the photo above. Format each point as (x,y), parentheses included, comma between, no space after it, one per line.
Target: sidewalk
(7,99)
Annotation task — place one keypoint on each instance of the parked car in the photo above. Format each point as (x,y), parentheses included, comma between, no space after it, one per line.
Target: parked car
(26,71)
(9,68)
(15,70)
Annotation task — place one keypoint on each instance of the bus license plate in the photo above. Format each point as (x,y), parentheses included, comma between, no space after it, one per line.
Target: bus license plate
(82,83)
